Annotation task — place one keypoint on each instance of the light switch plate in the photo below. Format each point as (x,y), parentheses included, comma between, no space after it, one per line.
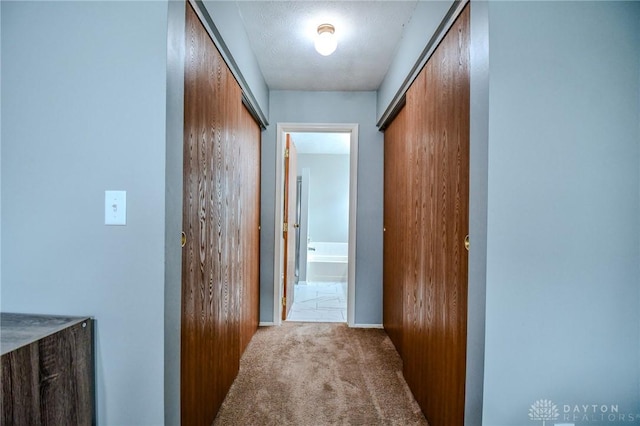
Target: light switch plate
(115,207)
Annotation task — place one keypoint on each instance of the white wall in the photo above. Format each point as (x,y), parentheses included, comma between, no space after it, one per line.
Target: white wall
(0,157)
(173,209)
(83,110)
(478,173)
(563,253)
(304,223)
(330,107)
(328,196)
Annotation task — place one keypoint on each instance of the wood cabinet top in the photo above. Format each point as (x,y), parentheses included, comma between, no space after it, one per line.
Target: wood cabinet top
(18,330)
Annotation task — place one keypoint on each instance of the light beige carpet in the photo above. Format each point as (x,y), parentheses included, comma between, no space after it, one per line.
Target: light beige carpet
(320,374)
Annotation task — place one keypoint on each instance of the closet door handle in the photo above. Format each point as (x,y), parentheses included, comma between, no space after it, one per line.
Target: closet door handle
(183,239)
(466,242)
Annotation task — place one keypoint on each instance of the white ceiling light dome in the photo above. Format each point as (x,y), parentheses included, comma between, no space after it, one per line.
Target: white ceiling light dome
(326,42)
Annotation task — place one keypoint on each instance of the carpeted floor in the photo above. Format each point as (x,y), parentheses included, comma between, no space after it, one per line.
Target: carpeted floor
(320,374)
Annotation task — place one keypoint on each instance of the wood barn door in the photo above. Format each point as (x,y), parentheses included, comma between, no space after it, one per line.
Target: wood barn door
(425,260)
(221,206)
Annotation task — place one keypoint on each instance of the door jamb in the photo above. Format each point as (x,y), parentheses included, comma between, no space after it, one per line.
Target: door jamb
(282,129)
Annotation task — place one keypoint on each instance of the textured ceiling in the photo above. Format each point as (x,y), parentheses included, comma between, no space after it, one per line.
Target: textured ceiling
(282,35)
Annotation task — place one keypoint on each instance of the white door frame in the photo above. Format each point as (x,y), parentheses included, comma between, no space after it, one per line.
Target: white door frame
(282,129)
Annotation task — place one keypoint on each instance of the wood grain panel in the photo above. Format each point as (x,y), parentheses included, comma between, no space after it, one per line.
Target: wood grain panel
(220,218)
(416,308)
(50,381)
(396,192)
(250,155)
(433,269)
(20,386)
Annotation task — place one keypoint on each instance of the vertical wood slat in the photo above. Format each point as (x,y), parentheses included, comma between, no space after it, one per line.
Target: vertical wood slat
(220,260)
(431,272)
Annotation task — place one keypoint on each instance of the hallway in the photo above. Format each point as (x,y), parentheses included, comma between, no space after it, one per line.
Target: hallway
(319,374)
(94,100)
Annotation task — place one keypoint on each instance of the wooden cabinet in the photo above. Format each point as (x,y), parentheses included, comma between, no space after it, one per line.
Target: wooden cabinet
(46,370)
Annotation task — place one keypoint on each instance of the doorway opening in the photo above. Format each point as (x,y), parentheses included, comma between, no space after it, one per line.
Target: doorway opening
(316,178)
(321,227)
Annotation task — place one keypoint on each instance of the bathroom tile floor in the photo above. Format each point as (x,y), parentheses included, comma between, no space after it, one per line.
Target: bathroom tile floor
(319,302)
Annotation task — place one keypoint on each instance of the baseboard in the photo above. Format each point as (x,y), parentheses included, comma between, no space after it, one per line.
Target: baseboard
(367,326)
(271,324)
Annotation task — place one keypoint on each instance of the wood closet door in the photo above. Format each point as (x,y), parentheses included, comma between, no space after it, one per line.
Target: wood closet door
(250,217)
(396,218)
(436,300)
(220,260)
(427,194)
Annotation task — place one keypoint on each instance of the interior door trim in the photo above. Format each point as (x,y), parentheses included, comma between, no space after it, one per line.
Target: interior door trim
(281,130)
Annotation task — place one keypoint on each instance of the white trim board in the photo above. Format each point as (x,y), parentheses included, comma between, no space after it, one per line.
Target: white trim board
(282,129)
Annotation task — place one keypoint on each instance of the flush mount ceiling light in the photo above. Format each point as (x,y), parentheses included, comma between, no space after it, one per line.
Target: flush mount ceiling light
(326,42)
